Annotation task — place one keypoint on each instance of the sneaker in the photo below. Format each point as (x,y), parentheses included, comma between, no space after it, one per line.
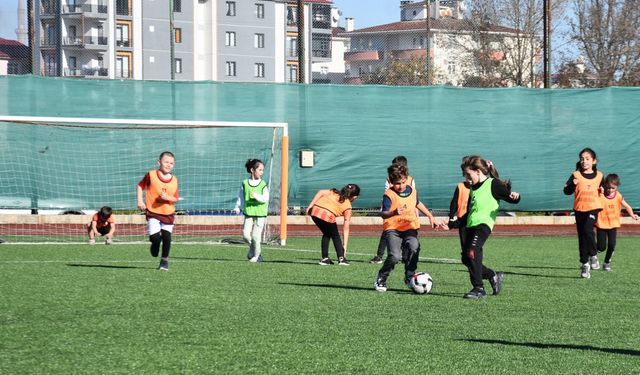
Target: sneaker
(108,241)
(255,259)
(584,271)
(92,242)
(260,258)
(475,293)
(375,260)
(343,262)
(595,265)
(380,285)
(164,265)
(407,280)
(326,262)
(496,283)
(607,267)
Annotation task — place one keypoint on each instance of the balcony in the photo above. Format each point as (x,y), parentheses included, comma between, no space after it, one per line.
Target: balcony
(85,9)
(355,56)
(86,72)
(123,43)
(46,42)
(93,42)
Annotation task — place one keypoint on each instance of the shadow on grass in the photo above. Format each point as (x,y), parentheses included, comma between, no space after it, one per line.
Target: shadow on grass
(244,260)
(368,289)
(537,345)
(546,267)
(529,274)
(104,266)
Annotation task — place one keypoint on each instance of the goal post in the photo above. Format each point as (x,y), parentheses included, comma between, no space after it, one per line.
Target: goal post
(58,171)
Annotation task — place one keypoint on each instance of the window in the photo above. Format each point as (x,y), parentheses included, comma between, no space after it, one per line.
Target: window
(231,68)
(321,17)
(230,39)
(231,8)
(178,65)
(320,45)
(177,6)
(123,7)
(258,70)
(12,68)
(292,47)
(122,35)
(258,40)
(292,16)
(293,73)
(259,10)
(122,66)
(178,34)
(451,67)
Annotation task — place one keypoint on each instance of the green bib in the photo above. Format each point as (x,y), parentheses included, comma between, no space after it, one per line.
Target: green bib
(483,207)
(253,207)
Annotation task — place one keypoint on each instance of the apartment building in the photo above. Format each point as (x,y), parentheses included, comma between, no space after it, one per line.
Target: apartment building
(240,40)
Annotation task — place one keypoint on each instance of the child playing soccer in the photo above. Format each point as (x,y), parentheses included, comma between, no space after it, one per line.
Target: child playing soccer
(586,183)
(325,207)
(609,218)
(253,198)
(487,189)
(401,224)
(102,224)
(161,195)
(382,244)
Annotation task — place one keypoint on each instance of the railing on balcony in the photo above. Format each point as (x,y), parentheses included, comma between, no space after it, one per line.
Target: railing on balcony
(84,8)
(86,72)
(123,43)
(48,10)
(47,42)
(292,52)
(320,53)
(84,41)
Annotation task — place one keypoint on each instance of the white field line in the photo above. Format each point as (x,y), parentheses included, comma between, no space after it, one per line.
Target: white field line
(426,259)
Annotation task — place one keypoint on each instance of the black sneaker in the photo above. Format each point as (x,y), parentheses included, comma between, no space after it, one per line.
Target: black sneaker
(325,262)
(164,265)
(496,282)
(475,293)
(380,285)
(343,262)
(375,260)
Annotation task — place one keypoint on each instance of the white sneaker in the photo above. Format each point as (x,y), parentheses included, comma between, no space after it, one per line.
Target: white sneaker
(255,259)
(607,267)
(595,265)
(108,241)
(92,242)
(584,273)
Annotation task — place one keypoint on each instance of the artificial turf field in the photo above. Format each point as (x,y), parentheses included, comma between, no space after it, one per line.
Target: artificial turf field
(106,309)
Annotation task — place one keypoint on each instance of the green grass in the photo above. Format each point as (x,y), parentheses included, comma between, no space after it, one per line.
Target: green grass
(105,309)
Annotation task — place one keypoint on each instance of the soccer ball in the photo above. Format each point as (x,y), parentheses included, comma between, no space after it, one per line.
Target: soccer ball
(421,283)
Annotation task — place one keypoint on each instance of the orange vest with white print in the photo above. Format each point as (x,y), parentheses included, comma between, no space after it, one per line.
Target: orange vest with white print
(156,187)
(409,219)
(463,199)
(609,217)
(328,207)
(587,191)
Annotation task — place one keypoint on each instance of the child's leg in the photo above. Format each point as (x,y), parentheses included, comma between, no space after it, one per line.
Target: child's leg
(326,235)
(382,246)
(256,235)
(246,234)
(612,234)
(394,254)
(477,237)
(601,239)
(585,222)
(166,243)
(411,246)
(153,226)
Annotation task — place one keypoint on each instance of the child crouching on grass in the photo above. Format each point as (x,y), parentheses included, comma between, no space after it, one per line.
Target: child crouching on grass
(102,224)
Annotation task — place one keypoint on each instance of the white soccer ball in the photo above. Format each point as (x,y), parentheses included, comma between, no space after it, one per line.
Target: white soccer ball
(421,283)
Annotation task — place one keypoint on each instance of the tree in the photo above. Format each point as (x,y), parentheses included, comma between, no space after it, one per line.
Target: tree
(411,72)
(607,34)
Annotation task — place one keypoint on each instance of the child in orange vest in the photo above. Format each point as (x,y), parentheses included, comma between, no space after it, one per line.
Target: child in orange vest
(586,183)
(161,195)
(325,207)
(102,224)
(400,224)
(609,218)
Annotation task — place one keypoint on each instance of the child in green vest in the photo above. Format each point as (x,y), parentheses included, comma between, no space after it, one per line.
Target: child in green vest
(486,191)
(253,200)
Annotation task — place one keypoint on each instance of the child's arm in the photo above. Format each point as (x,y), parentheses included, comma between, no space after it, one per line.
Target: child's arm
(141,204)
(94,228)
(239,201)
(169,198)
(346,229)
(629,210)
(570,185)
(112,230)
(262,198)
(432,220)
(318,195)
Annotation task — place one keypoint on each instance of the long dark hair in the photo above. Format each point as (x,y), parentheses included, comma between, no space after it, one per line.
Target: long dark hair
(593,156)
(347,191)
(477,163)
(252,164)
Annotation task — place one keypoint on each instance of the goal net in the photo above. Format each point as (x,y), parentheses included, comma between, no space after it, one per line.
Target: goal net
(57,172)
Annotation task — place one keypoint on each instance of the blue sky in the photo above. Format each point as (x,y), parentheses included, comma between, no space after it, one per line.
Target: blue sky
(365,12)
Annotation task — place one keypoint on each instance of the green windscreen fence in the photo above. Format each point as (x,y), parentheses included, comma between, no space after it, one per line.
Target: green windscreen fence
(533,136)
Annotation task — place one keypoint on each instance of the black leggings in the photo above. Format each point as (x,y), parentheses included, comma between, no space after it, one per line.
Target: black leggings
(607,240)
(472,254)
(329,232)
(585,224)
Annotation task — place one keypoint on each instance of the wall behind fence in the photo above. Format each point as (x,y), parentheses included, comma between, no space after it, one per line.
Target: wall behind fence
(533,136)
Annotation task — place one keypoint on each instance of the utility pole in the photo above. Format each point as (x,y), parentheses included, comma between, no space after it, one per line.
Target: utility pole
(172,41)
(301,37)
(428,43)
(546,42)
